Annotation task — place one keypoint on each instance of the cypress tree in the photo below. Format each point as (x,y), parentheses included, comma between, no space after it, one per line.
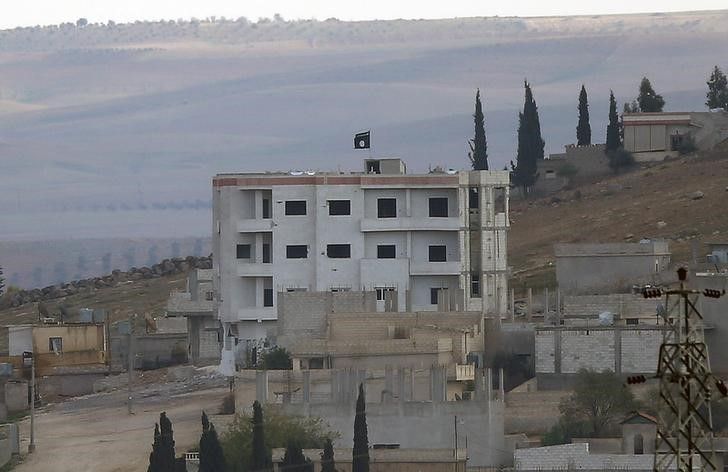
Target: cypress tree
(613,141)
(294,460)
(212,458)
(583,129)
(478,145)
(648,100)
(327,457)
(2,282)
(530,144)
(161,459)
(360,453)
(717,90)
(261,460)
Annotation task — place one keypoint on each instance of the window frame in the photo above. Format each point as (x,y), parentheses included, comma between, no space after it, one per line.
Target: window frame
(267,297)
(60,344)
(297,246)
(329,247)
(288,207)
(447,207)
(238,248)
(381,200)
(434,294)
(382,246)
(430,254)
(337,202)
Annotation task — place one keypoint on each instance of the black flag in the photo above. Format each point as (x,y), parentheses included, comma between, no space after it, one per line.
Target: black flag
(361,140)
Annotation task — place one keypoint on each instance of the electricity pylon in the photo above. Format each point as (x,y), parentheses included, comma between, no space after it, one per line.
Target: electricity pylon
(684,439)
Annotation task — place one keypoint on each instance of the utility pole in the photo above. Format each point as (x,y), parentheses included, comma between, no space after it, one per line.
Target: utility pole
(685,428)
(130,368)
(31,446)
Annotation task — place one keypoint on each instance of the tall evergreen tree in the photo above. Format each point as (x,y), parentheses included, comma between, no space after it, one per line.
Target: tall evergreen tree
(717,90)
(161,459)
(328,464)
(2,282)
(212,458)
(530,144)
(583,129)
(360,453)
(648,100)
(613,141)
(294,460)
(478,145)
(260,460)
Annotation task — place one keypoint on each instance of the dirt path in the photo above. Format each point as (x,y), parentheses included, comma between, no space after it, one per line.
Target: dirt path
(96,433)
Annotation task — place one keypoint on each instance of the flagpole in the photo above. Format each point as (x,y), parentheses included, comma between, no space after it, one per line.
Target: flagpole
(371,143)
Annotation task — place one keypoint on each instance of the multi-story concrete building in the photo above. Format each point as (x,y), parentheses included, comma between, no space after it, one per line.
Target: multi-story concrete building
(421,242)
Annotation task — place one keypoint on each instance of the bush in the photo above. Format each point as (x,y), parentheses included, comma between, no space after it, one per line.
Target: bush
(687,145)
(228,405)
(620,159)
(567,170)
(277,359)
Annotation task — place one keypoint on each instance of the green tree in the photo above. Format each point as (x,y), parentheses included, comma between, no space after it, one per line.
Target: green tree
(478,145)
(360,453)
(631,107)
(294,460)
(161,459)
(277,359)
(2,282)
(599,401)
(310,433)
(613,141)
(328,464)
(260,459)
(648,100)
(530,144)
(583,129)
(212,458)
(717,90)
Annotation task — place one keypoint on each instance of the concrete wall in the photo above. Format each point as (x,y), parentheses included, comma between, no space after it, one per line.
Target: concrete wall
(389,460)
(577,457)
(16,395)
(152,350)
(623,350)
(68,385)
(583,269)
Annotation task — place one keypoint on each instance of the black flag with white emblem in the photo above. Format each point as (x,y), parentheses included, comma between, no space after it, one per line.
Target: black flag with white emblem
(362,140)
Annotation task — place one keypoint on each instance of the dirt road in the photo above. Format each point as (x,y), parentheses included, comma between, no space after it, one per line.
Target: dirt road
(96,434)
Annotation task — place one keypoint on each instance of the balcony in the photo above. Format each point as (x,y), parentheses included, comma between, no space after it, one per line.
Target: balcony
(181,304)
(410,224)
(435,268)
(252,225)
(251,269)
(267,313)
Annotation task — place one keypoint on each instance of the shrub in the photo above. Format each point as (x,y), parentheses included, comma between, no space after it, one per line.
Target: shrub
(620,159)
(567,170)
(687,145)
(277,359)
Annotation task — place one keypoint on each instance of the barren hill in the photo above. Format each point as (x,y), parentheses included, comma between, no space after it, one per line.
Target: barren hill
(658,200)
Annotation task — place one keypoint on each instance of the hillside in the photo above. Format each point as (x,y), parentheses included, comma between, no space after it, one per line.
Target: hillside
(654,201)
(107,130)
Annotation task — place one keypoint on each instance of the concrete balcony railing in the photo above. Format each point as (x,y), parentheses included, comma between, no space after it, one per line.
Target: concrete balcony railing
(464,372)
(252,225)
(410,224)
(257,313)
(251,269)
(435,268)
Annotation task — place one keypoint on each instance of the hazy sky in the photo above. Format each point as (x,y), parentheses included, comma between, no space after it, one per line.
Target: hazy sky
(33,12)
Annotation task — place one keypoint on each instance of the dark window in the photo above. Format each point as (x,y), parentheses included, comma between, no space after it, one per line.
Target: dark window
(209,296)
(338,251)
(373,167)
(267,297)
(473,200)
(386,208)
(676,141)
(266,208)
(316,363)
(639,444)
(438,253)
(266,253)
(55,344)
(340,289)
(438,207)
(386,251)
(433,295)
(499,200)
(296,289)
(632,321)
(339,207)
(297,252)
(475,285)
(295,207)
(243,251)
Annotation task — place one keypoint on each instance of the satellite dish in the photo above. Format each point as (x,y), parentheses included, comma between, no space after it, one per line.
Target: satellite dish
(296,172)
(452,171)
(310,172)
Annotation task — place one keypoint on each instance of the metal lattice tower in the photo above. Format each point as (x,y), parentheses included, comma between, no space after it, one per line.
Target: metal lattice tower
(684,433)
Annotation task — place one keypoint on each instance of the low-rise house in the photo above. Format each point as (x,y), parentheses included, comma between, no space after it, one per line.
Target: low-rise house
(655,136)
(576,163)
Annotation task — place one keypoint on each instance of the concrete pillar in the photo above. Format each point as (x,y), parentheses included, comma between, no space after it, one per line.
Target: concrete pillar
(334,384)
(261,386)
(411,395)
(489,384)
(513,305)
(558,307)
(546,301)
(400,384)
(388,393)
(438,384)
(501,385)
(306,386)
(618,350)
(529,312)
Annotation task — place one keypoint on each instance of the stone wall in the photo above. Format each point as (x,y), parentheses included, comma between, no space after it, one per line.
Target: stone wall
(577,457)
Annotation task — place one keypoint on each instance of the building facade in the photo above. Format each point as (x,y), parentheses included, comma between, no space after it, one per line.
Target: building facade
(424,242)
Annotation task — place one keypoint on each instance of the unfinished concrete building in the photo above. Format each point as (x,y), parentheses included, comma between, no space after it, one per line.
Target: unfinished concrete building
(197,305)
(424,242)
